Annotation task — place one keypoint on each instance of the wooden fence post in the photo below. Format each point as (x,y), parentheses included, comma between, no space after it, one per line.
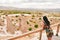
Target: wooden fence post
(40,35)
(57,30)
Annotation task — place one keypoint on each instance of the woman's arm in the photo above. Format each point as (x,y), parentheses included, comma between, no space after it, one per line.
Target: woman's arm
(43,25)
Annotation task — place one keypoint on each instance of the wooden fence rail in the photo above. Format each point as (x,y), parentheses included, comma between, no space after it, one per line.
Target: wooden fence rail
(26,34)
(31,32)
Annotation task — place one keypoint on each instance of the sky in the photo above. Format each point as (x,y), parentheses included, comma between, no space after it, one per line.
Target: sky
(39,4)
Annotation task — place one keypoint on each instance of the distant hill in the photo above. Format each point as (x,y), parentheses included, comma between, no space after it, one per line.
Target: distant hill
(13,8)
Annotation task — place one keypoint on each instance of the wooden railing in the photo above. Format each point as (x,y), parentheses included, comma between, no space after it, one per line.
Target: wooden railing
(32,32)
(26,34)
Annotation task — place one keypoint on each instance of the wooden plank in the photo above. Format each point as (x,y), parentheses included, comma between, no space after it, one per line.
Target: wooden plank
(31,32)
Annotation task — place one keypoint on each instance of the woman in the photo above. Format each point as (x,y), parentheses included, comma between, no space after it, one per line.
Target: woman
(46,26)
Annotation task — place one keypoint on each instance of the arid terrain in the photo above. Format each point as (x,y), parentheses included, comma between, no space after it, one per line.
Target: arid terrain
(16,22)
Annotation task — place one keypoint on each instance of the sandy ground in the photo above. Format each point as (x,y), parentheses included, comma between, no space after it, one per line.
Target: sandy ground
(34,37)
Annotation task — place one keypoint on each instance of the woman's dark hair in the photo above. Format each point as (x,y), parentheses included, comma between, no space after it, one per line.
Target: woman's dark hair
(46,21)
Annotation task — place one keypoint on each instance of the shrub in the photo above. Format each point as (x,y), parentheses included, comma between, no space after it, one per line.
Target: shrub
(36,26)
(30,29)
